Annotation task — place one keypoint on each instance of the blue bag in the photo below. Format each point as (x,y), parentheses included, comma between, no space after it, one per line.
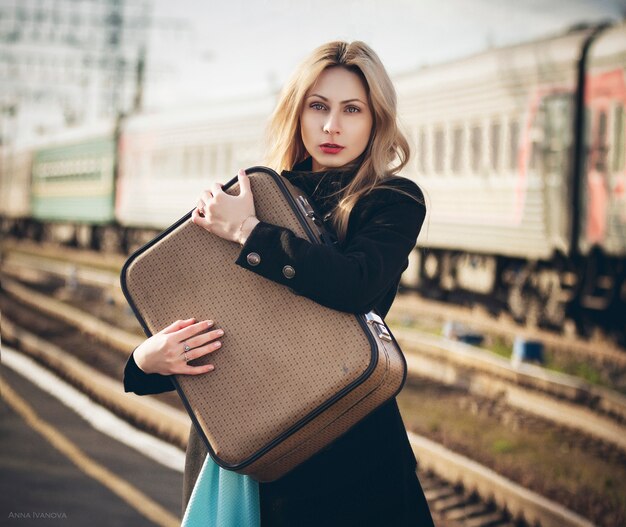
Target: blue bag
(222,498)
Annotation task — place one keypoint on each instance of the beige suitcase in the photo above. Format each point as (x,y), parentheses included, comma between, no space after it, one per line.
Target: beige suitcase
(291,375)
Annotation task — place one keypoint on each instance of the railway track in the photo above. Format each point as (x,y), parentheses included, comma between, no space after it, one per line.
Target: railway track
(92,366)
(564,399)
(453,504)
(103,270)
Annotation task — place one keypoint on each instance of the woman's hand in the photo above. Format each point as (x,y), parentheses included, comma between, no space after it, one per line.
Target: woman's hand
(229,217)
(168,351)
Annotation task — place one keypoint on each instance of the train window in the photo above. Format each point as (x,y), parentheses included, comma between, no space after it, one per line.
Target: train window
(422,149)
(213,162)
(412,137)
(535,154)
(513,144)
(494,145)
(194,161)
(476,147)
(135,163)
(199,161)
(187,162)
(618,139)
(439,154)
(536,138)
(458,137)
(168,163)
(205,167)
(229,170)
(556,139)
(602,147)
(154,162)
(177,160)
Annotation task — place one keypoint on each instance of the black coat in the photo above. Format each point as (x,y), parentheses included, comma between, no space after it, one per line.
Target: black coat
(366,477)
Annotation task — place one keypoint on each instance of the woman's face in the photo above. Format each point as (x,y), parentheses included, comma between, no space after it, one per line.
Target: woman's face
(336,120)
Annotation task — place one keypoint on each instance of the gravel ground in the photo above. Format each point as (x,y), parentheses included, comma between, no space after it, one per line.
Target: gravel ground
(572,469)
(568,467)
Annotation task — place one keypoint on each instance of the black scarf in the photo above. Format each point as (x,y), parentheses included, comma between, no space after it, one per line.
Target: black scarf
(323,187)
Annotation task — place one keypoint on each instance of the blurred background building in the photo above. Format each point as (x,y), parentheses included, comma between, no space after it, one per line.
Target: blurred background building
(74,62)
(69,62)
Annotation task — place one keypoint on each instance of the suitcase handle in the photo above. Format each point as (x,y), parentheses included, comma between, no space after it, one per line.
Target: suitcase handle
(376,322)
(308,211)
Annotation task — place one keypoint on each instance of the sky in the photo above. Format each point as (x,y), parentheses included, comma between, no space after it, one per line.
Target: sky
(247,47)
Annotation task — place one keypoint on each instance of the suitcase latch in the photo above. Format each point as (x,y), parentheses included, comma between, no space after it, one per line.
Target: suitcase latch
(307,210)
(377,323)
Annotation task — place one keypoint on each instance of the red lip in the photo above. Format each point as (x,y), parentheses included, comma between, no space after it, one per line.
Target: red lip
(331,148)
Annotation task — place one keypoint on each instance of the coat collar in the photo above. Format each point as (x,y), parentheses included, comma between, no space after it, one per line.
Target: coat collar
(320,185)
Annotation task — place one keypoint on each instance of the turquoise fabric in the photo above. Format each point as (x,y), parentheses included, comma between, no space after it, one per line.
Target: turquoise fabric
(223,498)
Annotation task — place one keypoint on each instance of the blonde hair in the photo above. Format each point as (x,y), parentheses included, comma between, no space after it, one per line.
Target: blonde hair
(387,151)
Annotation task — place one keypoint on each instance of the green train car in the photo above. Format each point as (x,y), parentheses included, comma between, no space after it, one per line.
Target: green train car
(73,182)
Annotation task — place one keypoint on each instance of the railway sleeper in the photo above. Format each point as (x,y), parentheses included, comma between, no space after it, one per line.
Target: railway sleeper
(466,511)
(439,493)
(491,519)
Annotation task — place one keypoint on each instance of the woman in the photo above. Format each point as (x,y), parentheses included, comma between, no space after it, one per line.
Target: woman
(334,135)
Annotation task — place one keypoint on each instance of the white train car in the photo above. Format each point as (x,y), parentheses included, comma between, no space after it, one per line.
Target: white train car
(166,160)
(493,137)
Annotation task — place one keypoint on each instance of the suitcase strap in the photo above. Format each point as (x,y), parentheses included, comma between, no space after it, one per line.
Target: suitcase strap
(371,318)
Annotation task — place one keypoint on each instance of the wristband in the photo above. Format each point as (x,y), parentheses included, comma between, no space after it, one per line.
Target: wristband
(239,231)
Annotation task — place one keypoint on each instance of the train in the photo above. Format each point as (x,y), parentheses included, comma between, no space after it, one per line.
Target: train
(520,151)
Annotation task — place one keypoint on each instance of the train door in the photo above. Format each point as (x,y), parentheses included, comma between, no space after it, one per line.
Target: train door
(604,191)
(597,187)
(602,239)
(555,154)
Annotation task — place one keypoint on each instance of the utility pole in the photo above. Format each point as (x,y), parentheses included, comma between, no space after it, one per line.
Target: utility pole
(114,53)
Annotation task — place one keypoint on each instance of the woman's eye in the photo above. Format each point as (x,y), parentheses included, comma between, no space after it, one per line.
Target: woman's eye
(352,109)
(317,106)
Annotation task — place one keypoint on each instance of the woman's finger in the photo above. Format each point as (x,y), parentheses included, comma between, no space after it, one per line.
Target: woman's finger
(202,221)
(186,369)
(202,350)
(179,324)
(204,338)
(244,183)
(216,189)
(200,208)
(196,218)
(192,331)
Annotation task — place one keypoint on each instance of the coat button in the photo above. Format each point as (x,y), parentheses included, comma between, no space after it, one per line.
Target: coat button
(289,271)
(253,259)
